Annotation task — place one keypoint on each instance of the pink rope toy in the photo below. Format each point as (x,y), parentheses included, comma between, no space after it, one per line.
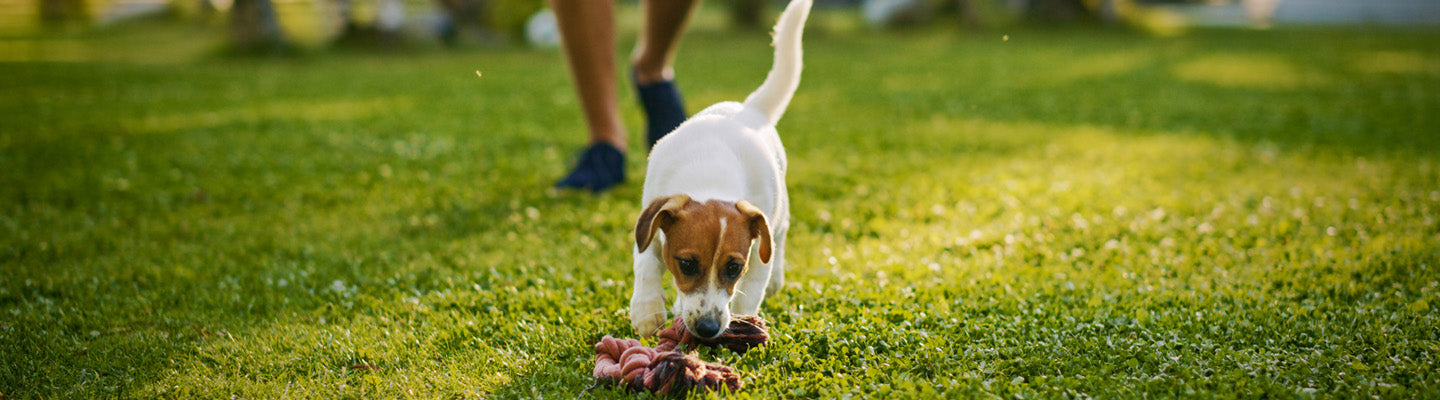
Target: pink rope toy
(662,370)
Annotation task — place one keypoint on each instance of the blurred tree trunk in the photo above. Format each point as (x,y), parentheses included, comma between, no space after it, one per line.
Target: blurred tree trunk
(459,15)
(747,14)
(1108,11)
(969,15)
(1057,11)
(254,26)
(381,31)
(62,11)
(464,17)
(205,10)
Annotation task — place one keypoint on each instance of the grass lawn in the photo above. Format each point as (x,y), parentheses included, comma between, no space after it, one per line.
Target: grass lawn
(1065,213)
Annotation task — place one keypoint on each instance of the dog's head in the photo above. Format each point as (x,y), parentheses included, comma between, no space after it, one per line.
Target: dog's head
(707,250)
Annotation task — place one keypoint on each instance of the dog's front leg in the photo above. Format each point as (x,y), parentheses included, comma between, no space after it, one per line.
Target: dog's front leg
(647,302)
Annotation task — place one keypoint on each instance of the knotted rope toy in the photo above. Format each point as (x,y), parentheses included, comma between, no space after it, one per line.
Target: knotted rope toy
(662,370)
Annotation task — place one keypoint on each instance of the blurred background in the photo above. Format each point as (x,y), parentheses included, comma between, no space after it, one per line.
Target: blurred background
(283,25)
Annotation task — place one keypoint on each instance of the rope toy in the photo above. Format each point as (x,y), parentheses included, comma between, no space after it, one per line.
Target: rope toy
(662,370)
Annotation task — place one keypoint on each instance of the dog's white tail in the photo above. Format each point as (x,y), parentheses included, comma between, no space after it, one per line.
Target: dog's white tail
(774,95)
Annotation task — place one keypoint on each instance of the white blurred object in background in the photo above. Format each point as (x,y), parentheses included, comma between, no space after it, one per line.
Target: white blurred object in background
(541,29)
(1399,12)
(391,16)
(894,13)
(1260,11)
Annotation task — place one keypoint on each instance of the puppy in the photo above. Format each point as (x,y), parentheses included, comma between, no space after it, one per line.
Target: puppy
(715,205)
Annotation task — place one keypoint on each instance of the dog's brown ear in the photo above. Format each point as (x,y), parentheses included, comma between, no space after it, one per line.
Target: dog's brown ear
(660,212)
(759,227)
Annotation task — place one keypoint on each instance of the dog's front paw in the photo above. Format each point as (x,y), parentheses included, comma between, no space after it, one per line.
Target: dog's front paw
(647,316)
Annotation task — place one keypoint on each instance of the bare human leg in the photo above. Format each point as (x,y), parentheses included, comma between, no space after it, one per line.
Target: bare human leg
(665,22)
(587,33)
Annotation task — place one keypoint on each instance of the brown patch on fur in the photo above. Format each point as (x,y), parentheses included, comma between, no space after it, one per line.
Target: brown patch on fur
(693,232)
(759,227)
(661,211)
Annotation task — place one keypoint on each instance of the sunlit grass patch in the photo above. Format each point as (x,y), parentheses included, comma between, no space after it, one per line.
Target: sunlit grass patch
(1100,66)
(43,50)
(1391,62)
(311,111)
(1252,71)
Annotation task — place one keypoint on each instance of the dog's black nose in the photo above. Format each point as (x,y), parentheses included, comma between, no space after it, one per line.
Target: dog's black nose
(707,328)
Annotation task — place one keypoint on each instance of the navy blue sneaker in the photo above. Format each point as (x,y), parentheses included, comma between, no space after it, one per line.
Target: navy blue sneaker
(664,108)
(600,167)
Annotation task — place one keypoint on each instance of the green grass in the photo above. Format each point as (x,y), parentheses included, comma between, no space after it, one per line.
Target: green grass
(1060,214)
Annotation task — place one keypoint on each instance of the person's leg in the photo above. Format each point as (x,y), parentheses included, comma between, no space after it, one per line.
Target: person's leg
(587,33)
(665,22)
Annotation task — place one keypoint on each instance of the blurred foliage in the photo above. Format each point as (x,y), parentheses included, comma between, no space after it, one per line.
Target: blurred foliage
(63,11)
(255,27)
(749,14)
(509,16)
(316,24)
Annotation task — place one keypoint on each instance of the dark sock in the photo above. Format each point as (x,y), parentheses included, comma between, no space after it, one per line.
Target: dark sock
(664,108)
(600,167)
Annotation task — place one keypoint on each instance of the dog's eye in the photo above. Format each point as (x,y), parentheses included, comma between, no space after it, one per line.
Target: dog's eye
(688,266)
(733,269)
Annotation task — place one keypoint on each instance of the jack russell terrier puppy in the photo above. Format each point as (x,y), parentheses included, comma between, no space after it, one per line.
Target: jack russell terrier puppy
(714,187)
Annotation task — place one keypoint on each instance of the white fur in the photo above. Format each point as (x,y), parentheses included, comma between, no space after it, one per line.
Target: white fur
(730,152)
